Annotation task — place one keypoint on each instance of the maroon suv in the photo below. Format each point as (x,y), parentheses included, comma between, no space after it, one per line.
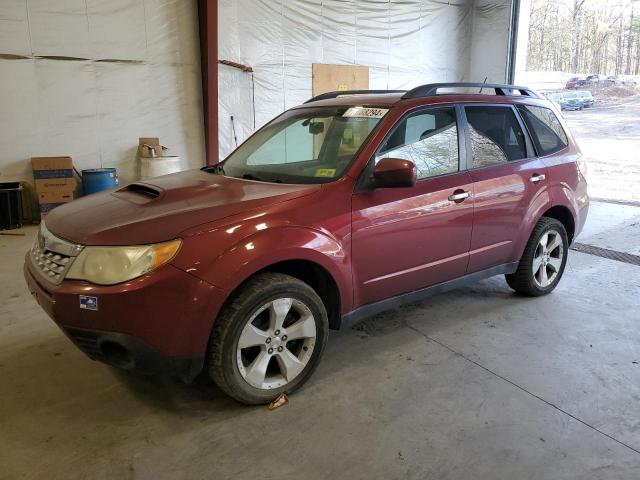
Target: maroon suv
(348,205)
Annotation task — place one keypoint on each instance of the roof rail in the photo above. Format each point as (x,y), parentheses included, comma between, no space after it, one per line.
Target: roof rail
(337,93)
(499,88)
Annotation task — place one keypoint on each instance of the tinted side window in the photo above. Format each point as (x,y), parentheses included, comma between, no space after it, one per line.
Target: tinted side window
(496,136)
(546,132)
(429,139)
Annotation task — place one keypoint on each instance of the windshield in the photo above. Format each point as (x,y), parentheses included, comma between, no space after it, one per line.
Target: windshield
(308,145)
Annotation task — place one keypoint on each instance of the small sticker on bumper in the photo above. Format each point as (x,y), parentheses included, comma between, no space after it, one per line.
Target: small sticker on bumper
(88,303)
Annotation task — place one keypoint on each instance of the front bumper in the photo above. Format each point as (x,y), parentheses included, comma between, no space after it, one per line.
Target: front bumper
(159,323)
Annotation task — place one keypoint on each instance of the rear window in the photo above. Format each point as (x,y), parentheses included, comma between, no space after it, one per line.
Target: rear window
(546,132)
(496,136)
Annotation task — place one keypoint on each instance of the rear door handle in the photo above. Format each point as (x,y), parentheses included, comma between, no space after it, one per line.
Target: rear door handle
(458,197)
(537,178)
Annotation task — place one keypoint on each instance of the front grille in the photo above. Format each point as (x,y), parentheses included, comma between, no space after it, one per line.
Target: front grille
(53,256)
(87,342)
(53,265)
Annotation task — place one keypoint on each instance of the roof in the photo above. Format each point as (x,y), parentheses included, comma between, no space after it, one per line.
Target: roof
(424,94)
(376,99)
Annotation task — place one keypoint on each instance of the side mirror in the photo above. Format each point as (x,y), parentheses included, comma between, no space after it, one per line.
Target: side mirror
(394,173)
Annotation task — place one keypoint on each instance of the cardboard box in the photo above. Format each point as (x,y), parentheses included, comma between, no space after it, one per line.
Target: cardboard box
(55,184)
(153,142)
(47,207)
(51,163)
(53,173)
(52,167)
(54,181)
(55,197)
(49,200)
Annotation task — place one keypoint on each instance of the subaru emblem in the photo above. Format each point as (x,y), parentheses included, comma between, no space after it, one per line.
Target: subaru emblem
(42,242)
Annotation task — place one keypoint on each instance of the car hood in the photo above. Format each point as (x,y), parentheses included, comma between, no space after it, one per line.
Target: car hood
(159,209)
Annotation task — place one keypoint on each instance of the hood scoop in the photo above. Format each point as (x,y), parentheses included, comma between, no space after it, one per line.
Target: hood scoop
(139,193)
(143,189)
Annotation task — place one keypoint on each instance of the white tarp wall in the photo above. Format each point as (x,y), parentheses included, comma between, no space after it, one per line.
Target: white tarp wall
(490,40)
(403,42)
(136,70)
(136,73)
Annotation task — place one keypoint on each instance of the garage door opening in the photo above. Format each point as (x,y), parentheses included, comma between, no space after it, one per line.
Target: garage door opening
(584,55)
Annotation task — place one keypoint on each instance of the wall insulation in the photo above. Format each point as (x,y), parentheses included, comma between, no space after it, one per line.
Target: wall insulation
(404,42)
(86,78)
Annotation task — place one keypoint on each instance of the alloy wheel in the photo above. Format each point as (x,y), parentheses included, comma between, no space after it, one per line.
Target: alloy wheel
(548,257)
(276,343)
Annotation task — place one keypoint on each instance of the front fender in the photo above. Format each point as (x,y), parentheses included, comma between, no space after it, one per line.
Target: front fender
(233,265)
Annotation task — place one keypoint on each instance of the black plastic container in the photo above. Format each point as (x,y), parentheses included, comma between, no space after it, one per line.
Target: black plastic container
(10,205)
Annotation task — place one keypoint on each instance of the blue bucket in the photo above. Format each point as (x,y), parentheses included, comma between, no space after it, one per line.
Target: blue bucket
(98,179)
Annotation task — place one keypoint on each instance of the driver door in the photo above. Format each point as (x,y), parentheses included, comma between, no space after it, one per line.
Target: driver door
(405,239)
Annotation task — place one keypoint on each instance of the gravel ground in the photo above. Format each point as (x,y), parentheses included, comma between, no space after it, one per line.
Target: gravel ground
(609,136)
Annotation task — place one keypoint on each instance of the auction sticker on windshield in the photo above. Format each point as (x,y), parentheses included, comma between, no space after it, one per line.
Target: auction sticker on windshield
(325,172)
(365,112)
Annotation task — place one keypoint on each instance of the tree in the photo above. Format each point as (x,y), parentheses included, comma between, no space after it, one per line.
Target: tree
(585,36)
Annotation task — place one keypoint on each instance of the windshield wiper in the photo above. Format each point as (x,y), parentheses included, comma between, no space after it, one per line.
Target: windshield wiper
(217,169)
(250,176)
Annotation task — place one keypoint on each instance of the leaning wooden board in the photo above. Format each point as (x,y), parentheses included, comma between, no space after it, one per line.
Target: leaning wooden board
(329,78)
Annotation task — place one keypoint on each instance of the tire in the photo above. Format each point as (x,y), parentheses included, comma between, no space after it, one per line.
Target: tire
(256,315)
(540,278)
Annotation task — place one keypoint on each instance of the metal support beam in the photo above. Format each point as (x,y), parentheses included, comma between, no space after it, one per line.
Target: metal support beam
(513,40)
(208,22)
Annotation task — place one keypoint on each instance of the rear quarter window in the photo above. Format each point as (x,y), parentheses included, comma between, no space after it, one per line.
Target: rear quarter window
(546,132)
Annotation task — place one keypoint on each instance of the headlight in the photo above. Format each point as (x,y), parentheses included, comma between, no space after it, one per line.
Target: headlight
(110,265)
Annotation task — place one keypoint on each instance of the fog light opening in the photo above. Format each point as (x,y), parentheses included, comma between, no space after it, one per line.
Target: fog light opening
(116,355)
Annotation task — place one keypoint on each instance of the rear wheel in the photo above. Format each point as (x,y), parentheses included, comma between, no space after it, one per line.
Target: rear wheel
(543,260)
(268,339)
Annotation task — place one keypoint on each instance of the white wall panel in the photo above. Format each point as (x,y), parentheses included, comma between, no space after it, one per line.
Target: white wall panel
(338,21)
(403,42)
(116,28)
(372,33)
(18,117)
(171,29)
(67,111)
(59,28)
(123,107)
(94,110)
(14,28)
(489,48)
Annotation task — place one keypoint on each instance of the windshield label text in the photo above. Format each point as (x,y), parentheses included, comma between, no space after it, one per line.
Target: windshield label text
(365,112)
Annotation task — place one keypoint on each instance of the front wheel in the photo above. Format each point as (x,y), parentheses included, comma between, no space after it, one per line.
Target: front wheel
(268,339)
(543,261)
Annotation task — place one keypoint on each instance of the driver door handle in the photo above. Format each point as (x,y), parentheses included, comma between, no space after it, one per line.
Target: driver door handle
(458,197)
(537,178)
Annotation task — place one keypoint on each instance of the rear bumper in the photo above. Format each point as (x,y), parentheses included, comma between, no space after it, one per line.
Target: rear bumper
(159,323)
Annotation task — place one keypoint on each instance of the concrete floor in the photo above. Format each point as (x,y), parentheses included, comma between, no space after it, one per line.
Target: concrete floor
(473,384)
(609,137)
